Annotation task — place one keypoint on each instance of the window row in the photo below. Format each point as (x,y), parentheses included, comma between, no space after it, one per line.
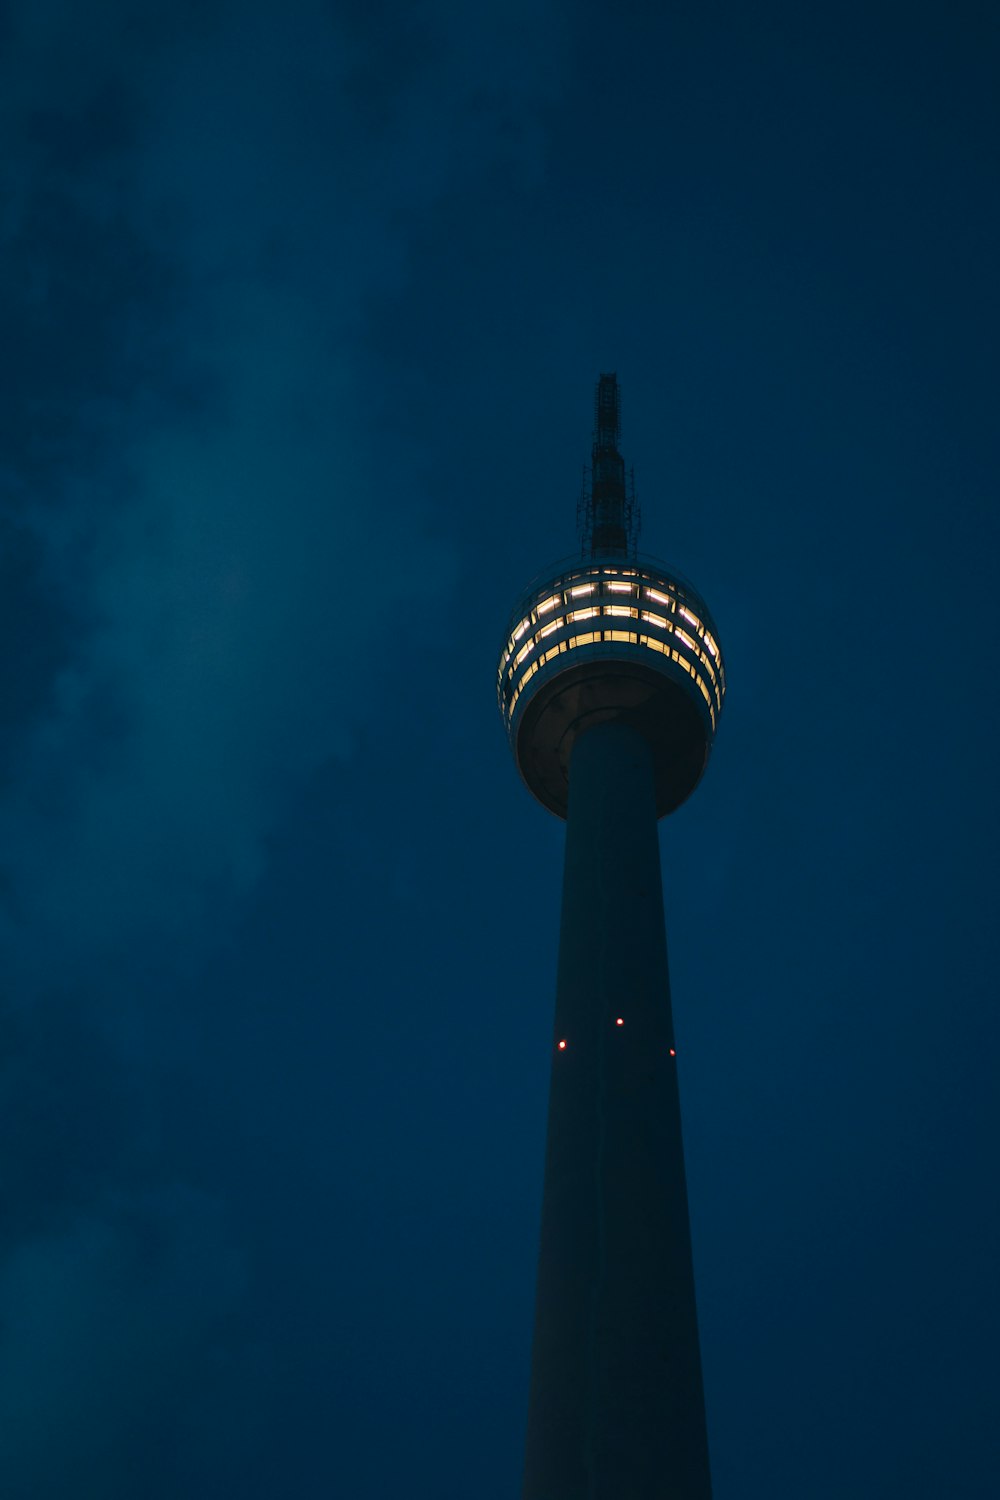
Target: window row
(510,663)
(630,637)
(576,593)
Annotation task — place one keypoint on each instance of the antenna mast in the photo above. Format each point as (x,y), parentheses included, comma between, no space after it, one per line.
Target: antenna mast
(608,514)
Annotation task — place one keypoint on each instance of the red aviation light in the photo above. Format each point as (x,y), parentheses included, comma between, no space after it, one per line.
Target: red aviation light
(562,1046)
(620,1021)
(673,1052)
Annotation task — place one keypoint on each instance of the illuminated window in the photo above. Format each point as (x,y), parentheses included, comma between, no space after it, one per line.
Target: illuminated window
(694,649)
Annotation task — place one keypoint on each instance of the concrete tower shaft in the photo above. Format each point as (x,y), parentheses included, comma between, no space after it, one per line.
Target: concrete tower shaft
(611,684)
(616,1410)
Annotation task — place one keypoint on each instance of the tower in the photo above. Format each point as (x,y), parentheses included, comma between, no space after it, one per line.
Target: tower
(610,684)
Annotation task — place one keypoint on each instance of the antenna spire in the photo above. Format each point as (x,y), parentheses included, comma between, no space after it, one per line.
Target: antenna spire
(608,513)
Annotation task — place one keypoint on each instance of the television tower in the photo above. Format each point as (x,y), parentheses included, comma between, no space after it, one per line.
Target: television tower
(610,684)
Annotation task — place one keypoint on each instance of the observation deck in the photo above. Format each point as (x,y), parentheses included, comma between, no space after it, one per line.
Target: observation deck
(611,637)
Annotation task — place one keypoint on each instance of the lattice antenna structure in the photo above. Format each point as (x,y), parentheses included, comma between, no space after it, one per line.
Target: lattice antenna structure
(607,512)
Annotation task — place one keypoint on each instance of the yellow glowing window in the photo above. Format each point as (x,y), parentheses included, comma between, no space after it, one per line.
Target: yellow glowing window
(619,635)
(658,597)
(555,625)
(582,614)
(519,631)
(553,602)
(693,619)
(620,588)
(660,621)
(581,589)
(704,691)
(709,642)
(519,658)
(626,611)
(683,636)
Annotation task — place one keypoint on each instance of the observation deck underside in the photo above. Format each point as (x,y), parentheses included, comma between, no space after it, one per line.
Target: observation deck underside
(597,691)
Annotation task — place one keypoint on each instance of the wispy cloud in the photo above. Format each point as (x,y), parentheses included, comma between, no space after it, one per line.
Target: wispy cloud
(223,544)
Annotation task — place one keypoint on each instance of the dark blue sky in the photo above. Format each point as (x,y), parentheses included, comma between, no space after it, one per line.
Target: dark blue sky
(301,310)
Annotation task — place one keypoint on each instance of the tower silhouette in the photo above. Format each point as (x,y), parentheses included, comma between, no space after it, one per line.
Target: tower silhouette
(610,684)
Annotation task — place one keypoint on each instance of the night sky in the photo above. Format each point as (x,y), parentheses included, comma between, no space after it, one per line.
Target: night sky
(301,311)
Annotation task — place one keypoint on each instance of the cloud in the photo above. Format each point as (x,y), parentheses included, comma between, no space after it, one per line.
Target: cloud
(224,533)
(104,1325)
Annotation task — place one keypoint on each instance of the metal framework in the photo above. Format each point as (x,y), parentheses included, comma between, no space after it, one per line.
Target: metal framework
(607,513)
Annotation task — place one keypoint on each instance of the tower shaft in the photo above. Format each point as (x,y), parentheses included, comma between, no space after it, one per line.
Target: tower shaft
(616,1409)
